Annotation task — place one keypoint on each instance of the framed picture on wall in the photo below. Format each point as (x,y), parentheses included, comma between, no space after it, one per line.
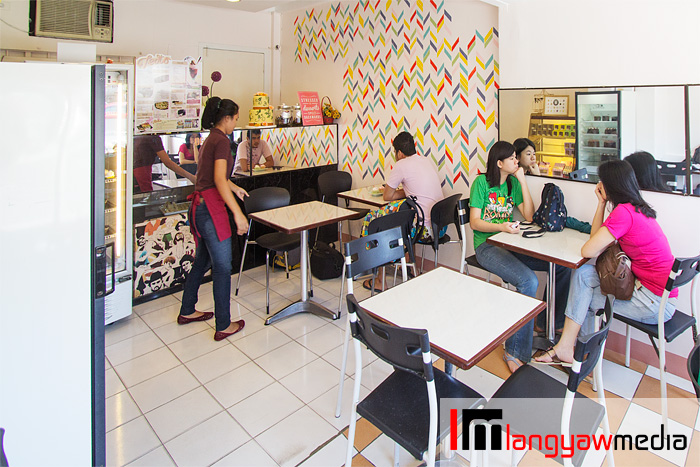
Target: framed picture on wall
(556,105)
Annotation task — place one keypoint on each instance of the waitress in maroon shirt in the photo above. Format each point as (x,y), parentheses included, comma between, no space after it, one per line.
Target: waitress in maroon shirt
(209,220)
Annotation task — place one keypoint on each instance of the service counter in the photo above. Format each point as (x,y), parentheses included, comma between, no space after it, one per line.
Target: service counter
(164,247)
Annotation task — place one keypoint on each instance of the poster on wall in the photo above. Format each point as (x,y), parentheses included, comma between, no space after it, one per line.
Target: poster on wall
(168,94)
(310,108)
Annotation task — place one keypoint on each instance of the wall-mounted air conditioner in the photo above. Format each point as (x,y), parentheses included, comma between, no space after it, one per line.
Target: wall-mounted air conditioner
(87,20)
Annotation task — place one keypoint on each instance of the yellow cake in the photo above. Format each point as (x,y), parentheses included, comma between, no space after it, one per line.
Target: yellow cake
(261,113)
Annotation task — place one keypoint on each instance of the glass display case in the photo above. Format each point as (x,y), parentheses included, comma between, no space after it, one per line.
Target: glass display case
(118,181)
(554,138)
(598,122)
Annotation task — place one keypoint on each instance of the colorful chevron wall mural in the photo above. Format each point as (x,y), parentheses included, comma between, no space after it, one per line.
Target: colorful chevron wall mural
(408,66)
(303,147)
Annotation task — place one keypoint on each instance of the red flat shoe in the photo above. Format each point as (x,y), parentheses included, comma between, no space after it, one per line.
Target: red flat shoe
(203,317)
(220,335)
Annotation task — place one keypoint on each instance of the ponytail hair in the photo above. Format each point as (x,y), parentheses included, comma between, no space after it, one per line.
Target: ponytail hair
(621,186)
(215,110)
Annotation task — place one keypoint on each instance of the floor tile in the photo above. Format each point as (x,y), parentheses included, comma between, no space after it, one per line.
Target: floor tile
(216,363)
(620,380)
(275,307)
(278,404)
(156,304)
(335,358)
(365,434)
(113,384)
(129,442)
(322,340)
(682,406)
(284,360)
(261,342)
(640,420)
(253,324)
(159,457)
(248,455)
(676,381)
(174,332)
(146,366)
(290,289)
(331,455)
(381,452)
(132,347)
(107,364)
(248,286)
(163,388)
(375,373)
(480,380)
(301,325)
(325,404)
(124,329)
(312,380)
(161,317)
(196,345)
(183,413)
(500,458)
(208,442)
(294,438)
(255,301)
(238,384)
(120,409)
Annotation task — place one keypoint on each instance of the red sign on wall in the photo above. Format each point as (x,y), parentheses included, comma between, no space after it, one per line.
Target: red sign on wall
(310,108)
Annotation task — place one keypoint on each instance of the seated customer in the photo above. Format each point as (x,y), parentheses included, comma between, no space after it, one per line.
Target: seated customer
(632,223)
(646,171)
(260,150)
(494,195)
(419,178)
(189,151)
(525,153)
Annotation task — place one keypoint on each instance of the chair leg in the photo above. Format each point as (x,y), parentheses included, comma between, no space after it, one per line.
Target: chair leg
(436,259)
(240,271)
(286,264)
(355,401)
(397,454)
(343,365)
(422,260)
(267,281)
(628,342)
(662,375)
(309,275)
(598,373)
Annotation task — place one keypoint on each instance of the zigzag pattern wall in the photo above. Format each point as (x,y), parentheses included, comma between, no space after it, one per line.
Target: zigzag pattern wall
(408,68)
(303,146)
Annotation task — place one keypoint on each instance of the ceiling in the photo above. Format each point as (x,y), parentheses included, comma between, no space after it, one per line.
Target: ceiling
(256,6)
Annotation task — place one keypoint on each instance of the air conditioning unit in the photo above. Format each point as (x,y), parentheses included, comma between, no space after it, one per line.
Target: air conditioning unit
(87,20)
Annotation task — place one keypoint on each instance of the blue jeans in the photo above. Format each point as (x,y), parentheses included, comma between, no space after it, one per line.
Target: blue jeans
(518,269)
(585,299)
(214,254)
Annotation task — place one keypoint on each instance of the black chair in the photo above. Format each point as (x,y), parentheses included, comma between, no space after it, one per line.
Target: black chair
(670,170)
(441,215)
(262,199)
(368,253)
(406,405)
(534,403)
(683,271)
(405,218)
(329,185)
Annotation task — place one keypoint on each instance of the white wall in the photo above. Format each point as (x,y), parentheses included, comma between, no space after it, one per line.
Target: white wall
(152,26)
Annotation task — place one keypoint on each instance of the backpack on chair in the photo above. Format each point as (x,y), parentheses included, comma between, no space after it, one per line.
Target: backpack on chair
(551,215)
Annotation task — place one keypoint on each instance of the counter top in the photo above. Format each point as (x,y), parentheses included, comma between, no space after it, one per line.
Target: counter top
(179,183)
(267,171)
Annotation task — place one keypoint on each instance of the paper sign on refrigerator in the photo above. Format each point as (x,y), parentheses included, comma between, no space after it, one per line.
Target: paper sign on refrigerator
(310,108)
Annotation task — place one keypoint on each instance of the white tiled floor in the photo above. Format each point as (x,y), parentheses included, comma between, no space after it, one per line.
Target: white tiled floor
(266,396)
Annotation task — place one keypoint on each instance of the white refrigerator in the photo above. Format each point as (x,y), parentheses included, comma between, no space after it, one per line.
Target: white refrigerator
(53,263)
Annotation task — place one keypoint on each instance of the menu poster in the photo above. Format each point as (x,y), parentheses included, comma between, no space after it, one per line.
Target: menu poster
(310,108)
(168,94)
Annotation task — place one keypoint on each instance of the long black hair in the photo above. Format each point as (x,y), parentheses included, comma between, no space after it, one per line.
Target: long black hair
(522,144)
(621,186)
(217,109)
(188,139)
(646,171)
(501,150)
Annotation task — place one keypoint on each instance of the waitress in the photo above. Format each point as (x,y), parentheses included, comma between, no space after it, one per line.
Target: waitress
(209,220)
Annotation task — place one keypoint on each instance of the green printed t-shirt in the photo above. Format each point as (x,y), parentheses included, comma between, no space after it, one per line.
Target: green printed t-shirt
(495,204)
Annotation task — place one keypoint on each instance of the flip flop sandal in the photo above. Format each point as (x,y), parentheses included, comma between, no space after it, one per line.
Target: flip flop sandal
(554,357)
(368,285)
(509,358)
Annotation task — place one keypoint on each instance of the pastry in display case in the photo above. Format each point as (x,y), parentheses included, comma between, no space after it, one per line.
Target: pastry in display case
(554,138)
(599,114)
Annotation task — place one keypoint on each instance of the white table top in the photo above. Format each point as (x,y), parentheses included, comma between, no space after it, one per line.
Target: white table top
(466,318)
(299,217)
(364,195)
(179,183)
(563,248)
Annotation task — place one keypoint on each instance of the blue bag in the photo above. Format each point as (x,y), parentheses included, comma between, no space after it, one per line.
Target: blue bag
(551,215)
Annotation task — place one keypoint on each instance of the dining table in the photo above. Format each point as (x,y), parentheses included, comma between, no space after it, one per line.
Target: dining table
(371,195)
(466,317)
(300,218)
(562,248)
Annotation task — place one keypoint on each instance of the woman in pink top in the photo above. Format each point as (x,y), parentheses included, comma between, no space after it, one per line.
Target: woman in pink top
(632,223)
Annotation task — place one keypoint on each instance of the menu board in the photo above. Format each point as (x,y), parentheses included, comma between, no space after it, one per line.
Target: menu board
(168,94)
(310,108)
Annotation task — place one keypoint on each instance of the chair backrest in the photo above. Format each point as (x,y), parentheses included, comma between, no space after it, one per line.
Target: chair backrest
(411,204)
(331,183)
(370,252)
(269,197)
(403,219)
(461,216)
(403,348)
(683,271)
(589,348)
(443,212)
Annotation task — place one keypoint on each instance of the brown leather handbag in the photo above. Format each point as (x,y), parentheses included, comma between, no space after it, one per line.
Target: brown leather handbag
(615,272)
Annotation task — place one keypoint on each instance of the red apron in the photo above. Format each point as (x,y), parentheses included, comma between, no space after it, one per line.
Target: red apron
(217,210)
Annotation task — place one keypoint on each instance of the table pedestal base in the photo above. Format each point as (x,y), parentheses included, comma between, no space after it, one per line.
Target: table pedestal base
(302,307)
